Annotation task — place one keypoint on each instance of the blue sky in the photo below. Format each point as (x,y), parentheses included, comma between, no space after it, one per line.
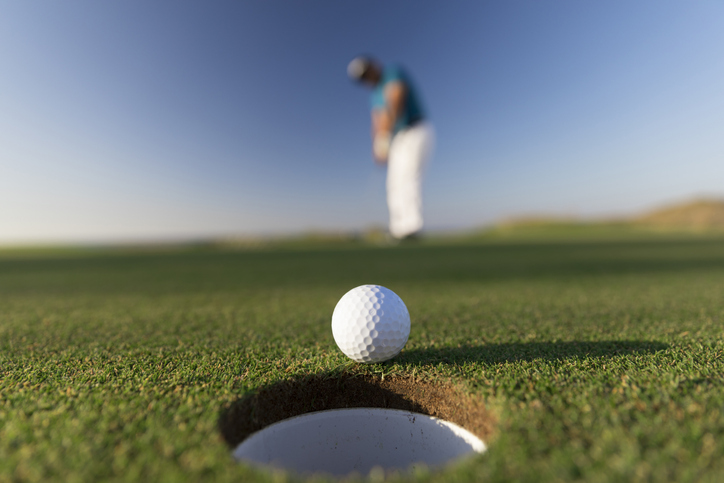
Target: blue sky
(134,120)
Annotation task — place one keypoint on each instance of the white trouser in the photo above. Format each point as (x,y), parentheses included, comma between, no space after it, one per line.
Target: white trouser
(410,151)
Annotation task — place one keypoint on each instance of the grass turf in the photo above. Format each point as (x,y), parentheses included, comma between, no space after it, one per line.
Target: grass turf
(601,361)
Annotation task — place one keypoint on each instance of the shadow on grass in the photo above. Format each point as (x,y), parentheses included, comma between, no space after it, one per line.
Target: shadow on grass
(323,391)
(527,351)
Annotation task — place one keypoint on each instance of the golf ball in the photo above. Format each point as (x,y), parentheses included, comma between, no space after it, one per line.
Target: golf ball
(370,324)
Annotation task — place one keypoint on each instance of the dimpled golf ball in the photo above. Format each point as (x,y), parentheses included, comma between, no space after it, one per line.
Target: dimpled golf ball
(370,324)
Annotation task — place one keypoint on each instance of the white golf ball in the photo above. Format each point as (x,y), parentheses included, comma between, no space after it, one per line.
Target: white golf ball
(370,324)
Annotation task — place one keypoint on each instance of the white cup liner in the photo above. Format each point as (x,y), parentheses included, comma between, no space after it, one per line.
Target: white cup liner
(344,441)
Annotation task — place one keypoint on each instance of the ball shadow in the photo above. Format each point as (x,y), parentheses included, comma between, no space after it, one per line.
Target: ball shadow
(323,391)
(527,351)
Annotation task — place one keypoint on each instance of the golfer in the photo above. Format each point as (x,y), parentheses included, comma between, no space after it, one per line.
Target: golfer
(402,139)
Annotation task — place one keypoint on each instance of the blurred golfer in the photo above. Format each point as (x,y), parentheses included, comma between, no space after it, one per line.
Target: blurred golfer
(402,138)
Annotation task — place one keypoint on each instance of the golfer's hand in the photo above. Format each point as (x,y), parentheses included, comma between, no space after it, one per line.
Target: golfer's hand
(381,147)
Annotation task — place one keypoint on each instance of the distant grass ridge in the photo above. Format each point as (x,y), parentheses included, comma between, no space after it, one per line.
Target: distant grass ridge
(601,360)
(697,218)
(698,214)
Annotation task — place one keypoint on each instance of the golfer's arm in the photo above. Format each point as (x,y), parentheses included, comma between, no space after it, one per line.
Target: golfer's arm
(383,120)
(380,122)
(395,93)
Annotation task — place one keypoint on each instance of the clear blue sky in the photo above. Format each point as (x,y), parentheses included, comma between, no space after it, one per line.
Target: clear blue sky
(135,120)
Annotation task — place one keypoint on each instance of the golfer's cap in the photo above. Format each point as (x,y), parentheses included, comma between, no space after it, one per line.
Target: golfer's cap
(357,68)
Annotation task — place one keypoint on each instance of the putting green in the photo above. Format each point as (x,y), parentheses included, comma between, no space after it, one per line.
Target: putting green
(598,361)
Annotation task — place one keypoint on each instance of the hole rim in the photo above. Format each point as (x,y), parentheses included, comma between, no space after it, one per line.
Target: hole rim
(439,444)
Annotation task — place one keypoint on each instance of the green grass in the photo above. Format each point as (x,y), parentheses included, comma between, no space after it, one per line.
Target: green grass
(603,361)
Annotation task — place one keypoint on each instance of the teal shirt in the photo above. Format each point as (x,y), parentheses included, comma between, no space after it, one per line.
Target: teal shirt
(412,110)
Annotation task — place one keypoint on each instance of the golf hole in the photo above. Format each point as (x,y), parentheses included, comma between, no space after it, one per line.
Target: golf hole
(344,441)
(341,425)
